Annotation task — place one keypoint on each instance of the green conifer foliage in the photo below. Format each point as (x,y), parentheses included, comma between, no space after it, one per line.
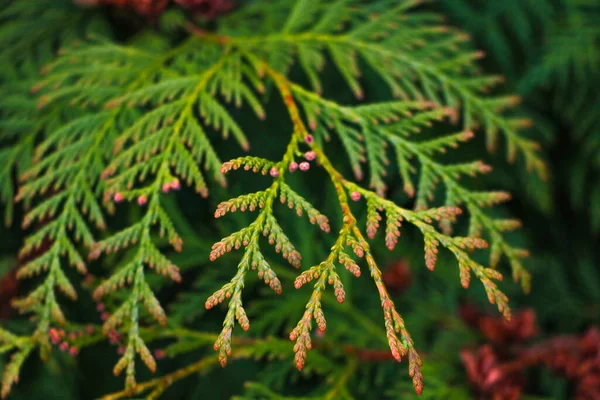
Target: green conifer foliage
(558,40)
(118,123)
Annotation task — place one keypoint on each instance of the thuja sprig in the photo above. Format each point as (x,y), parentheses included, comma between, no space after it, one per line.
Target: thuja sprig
(174,158)
(395,123)
(434,239)
(74,179)
(66,174)
(349,235)
(29,35)
(133,273)
(265,225)
(168,142)
(422,220)
(399,346)
(433,172)
(146,108)
(324,273)
(187,340)
(20,347)
(413,52)
(68,164)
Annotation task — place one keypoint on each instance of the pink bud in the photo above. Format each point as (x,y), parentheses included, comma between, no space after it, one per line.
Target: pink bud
(54,337)
(293,166)
(175,185)
(113,337)
(121,350)
(310,155)
(274,172)
(142,200)
(304,166)
(166,187)
(118,197)
(89,329)
(73,351)
(309,139)
(159,354)
(64,346)
(100,306)
(104,316)
(355,196)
